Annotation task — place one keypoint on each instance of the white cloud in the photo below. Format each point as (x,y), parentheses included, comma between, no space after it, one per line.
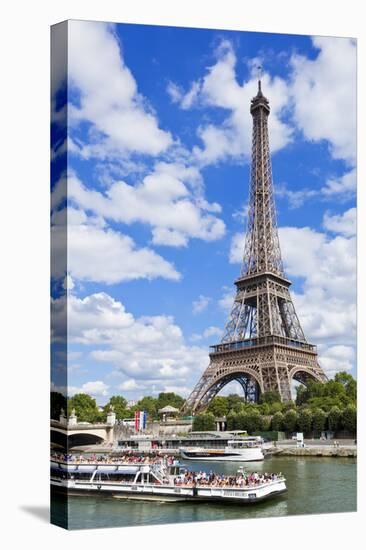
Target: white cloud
(295,198)
(341,185)
(324,93)
(227,299)
(185,100)
(169,199)
(200,304)
(95,253)
(121,119)
(95,388)
(149,350)
(344,224)
(130,385)
(337,358)
(220,88)
(207,333)
(237,248)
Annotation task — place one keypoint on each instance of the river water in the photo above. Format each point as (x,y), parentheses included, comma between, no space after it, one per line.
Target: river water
(315,486)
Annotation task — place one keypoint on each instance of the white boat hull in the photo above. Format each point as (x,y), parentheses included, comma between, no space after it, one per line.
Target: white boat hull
(242,495)
(246,455)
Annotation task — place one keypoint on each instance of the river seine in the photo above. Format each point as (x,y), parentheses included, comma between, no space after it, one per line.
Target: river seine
(315,486)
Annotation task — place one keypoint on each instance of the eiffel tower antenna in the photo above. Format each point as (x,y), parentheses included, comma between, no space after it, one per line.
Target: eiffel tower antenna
(263,346)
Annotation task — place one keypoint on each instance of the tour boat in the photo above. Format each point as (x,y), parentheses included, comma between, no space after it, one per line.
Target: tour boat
(159,482)
(248,449)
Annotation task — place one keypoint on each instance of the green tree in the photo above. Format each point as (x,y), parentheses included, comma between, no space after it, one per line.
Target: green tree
(85,407)
(234,402)
(254,421)
(289,421)
(241,421)
(275,407)
(218,406)
(304,420)
(119,405)
(270,397)
(169,398)
(277,422)
(231,421)
(349,384)
(148,404)
(301,395)
(204,422)
(319,420)
(349,419)
(334,418)
(58,402)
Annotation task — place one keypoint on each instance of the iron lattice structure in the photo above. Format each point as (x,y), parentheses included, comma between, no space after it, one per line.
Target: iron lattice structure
(263,346)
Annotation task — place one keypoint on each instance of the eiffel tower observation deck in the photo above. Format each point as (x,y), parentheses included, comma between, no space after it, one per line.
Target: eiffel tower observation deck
(263,347)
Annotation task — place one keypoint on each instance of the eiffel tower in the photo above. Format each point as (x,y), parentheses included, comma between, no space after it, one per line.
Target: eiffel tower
(263,346)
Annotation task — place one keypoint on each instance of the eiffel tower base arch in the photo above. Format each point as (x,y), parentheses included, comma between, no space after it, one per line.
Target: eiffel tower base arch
(267,368)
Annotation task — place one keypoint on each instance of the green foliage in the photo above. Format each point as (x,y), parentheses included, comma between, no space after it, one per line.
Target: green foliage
(218,406)
(148,404)
(270,397)
(169,398)
(304,420)
(289,421)
(277,422)
(234,402)
(86,408)
(119,405)
(254,421)
(319,420)
(276,407)
(231,421)
(349,419)
(204,422)
(58,402)
(349,384)
(334,418)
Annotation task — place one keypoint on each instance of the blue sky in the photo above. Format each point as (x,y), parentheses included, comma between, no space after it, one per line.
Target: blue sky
(159,137)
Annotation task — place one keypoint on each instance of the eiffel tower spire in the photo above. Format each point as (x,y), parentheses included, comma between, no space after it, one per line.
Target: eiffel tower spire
(263,346)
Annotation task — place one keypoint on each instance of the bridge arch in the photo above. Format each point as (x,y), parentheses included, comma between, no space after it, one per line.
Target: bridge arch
(66,440)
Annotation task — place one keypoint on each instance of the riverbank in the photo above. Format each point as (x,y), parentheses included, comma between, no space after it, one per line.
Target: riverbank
(324,450)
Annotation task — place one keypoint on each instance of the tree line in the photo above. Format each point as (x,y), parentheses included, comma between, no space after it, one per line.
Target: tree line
(87,410)
(318,407)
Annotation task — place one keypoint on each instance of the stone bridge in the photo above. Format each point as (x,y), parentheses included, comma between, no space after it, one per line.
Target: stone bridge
(69,433)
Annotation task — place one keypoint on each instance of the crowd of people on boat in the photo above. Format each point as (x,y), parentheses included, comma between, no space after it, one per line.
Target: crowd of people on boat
(108,459)
(222,480)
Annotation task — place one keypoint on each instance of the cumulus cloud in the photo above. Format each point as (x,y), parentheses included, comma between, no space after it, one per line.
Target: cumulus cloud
(185,100)
(101,254)
(341,185)
(226,301)
(344,224)
(237,248)
(324,93)
(207,333)
(96,388)
(169,200)
(149,350)
(221,89)
(200,304)
(104,94)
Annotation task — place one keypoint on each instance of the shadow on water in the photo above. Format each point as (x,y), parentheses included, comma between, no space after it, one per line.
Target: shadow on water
(40,512)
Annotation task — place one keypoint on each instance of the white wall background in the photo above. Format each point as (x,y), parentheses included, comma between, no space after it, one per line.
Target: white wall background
(24,311)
